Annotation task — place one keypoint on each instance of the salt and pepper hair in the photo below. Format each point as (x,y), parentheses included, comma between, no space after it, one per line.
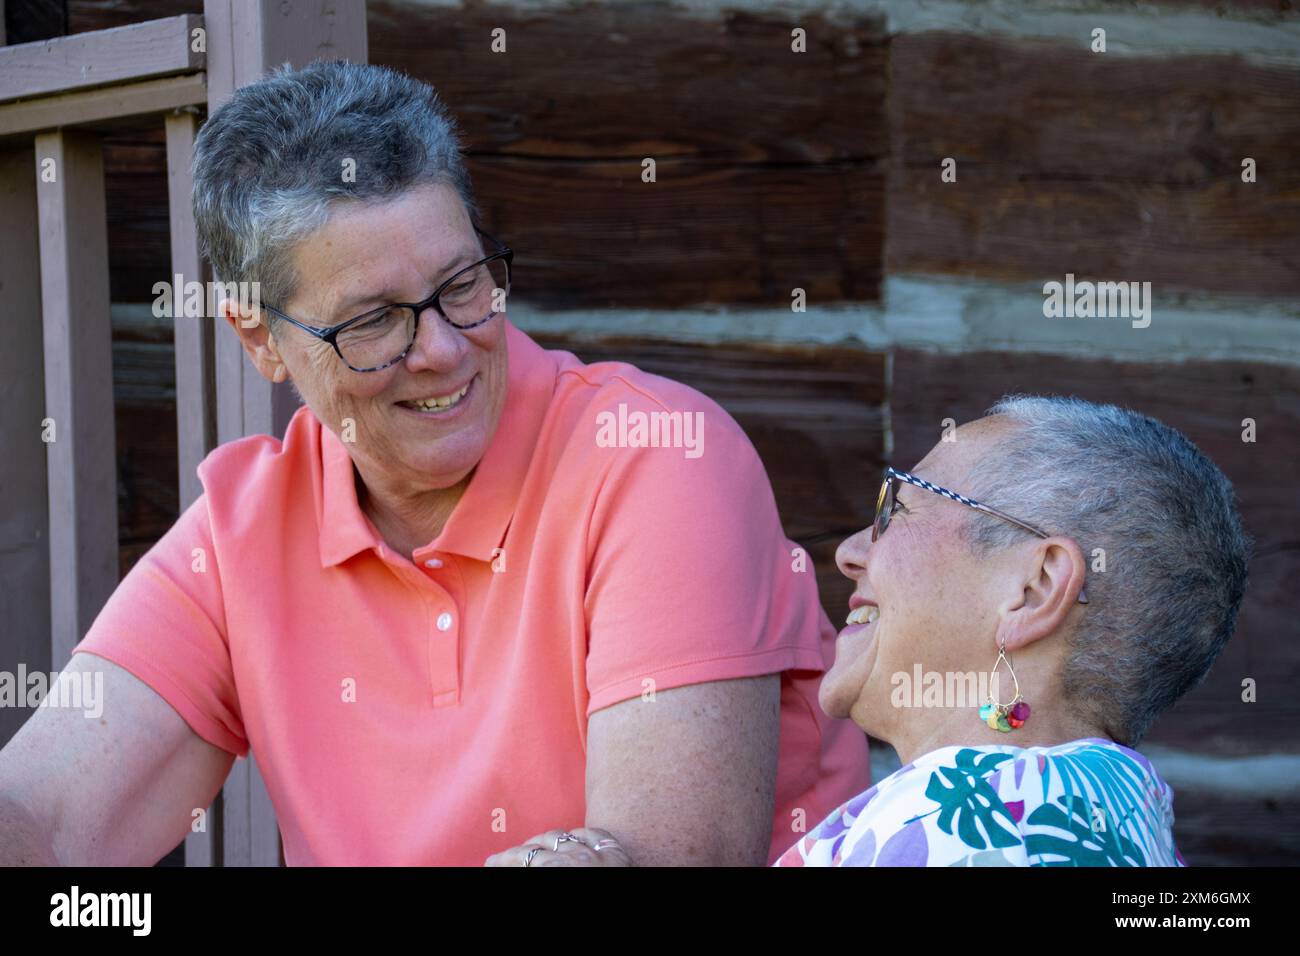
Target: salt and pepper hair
(269,165)
(1166,518)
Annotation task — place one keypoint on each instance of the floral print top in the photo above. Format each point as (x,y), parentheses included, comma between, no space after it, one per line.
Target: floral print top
(1090,802)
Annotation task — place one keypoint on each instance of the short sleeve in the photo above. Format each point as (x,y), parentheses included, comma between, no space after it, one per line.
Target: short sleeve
(690,576)
(165,624)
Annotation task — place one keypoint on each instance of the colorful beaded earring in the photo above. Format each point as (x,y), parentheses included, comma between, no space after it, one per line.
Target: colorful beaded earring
(1004,717)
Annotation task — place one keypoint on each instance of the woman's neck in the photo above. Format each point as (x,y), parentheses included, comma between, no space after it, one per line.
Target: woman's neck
(409,523)
(1043,729)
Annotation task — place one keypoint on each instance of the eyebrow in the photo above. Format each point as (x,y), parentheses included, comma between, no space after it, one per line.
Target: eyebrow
(386,295)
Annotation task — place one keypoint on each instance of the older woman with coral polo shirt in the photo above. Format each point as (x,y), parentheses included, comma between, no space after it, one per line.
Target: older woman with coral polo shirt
(447,612)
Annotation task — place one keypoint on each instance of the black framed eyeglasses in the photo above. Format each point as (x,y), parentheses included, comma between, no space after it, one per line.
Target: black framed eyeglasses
(886,501)
(382,337)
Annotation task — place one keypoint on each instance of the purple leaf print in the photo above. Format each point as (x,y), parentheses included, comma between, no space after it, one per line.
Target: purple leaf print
(859,803)
(864,851)
(832,827)
(1016,808)
(907,847)
(1020,772)
(835,847)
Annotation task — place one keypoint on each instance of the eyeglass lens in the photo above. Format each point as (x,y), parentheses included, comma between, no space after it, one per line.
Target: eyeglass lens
(474,295)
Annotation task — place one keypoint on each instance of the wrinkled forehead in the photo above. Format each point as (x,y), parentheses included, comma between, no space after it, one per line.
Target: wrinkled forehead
(950,463)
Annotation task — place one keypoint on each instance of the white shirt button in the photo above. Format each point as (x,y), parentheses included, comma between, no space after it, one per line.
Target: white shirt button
(444,621)
(433,563)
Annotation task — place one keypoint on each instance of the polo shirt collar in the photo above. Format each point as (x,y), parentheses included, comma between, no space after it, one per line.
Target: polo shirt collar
(479,522)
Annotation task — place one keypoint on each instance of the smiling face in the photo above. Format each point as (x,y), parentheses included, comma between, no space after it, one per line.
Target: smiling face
(936,602)
(366,256)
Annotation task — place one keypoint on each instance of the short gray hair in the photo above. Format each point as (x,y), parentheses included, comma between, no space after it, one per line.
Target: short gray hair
(1166,518)
(268,164)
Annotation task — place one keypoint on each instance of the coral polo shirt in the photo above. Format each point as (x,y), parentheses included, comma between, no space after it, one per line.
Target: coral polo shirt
(432,708)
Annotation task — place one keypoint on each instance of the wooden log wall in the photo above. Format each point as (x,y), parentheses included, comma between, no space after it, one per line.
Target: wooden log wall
(822,172)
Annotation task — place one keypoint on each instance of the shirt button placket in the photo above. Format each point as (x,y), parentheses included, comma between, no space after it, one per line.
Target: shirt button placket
(443,649)
(442,658)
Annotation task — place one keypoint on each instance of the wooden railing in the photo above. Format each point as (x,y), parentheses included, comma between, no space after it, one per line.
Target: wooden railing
(58,533)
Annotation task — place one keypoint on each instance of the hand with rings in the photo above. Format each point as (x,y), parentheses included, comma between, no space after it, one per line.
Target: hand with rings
(585,846)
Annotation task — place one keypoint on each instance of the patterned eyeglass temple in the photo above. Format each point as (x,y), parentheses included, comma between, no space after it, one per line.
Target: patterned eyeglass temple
(894,473)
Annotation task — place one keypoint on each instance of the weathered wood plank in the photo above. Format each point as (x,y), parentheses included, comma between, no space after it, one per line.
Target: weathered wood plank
(768,172)
(1207,401)
(24,518)
(104,109)
(674,82)
(78,383)
(1108,167)
(593,234)
(136,52)
(138,209)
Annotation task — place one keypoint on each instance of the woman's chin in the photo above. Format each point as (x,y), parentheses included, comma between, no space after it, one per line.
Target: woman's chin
(855,659)
(836,695)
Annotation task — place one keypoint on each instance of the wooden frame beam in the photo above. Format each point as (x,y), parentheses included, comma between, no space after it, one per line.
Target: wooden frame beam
(196,390)
(101,109)
(122,55)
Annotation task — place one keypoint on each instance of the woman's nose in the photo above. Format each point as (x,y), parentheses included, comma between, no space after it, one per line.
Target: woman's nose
(437,346)
(851,555)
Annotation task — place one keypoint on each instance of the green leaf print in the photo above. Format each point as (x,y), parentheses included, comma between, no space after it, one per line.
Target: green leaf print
(1081,846)
(971,800)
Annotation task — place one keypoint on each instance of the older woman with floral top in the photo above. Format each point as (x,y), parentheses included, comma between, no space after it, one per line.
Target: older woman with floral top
(1081,575)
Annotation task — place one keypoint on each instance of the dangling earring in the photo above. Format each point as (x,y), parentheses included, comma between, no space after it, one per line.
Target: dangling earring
(1004,717)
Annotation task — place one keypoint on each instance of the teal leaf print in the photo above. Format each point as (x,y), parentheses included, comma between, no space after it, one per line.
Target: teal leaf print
(1080,846)
(1122,783)
(972,801)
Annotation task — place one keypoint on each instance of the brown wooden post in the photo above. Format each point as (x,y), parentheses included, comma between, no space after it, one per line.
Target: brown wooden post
(196,424)
(245,39)
(82,458)
(196,399)
(24,507)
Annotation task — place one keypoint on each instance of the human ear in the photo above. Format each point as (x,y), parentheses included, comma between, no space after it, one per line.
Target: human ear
(1051,579)
(255,336)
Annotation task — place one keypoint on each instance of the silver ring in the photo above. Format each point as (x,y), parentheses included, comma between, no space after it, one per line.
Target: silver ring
(528,860)
(604,844)
(565,838)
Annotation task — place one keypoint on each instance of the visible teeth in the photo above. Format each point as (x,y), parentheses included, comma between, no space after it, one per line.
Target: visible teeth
(429,404)
(866,614)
